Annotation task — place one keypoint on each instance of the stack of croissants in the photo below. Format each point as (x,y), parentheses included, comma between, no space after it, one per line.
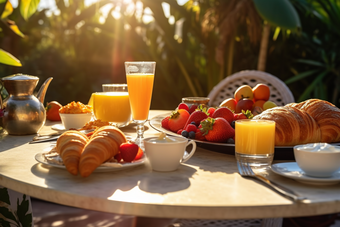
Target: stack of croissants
(84,154)
(311,121)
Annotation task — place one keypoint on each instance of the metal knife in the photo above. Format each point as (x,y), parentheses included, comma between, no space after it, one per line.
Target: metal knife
(52,136)
(45,138)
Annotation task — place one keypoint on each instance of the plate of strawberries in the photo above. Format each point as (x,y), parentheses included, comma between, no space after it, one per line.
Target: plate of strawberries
(210,127)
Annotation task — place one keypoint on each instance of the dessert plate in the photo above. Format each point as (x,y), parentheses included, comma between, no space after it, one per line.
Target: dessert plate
(293,171)
(105,167)
(281,152)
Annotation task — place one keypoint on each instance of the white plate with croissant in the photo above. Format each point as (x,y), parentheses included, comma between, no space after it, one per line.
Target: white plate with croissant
(54,160)
(80,154)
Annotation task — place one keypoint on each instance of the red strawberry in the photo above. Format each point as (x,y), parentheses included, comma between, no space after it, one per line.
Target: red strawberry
(179,132)
(178,119)
(139,154)
(192,108)
(197,117)
(128,151)
(183,106)
(190,127)
(211,111)
(225,113)
(118,157)
(165,123)
(244,115)
(217,129)
(199,135)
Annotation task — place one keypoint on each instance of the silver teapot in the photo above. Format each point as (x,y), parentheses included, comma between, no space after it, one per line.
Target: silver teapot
(24,113)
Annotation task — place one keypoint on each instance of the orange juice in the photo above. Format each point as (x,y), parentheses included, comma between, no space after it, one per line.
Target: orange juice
(90,103)
(254,137)
(140,90)
(112,106)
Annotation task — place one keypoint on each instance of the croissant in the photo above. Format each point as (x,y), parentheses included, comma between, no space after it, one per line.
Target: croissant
(310,121)
(69,147)
(103,145)
(326,115)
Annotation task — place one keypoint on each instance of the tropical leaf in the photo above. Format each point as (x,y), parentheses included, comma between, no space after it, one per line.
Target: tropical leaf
(8,10)
(306,94)
(279,13)
(8,59)
(4,196)
(4,223)
(301,76)
(3,4)
(311,62)
(15,28)
(7,214)
(25,218)
(28,8)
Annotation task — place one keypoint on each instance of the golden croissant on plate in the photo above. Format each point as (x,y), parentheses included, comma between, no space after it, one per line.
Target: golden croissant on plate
(103,145)
(311,121)
(69,146)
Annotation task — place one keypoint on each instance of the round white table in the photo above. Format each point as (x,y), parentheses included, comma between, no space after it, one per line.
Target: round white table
(208,186)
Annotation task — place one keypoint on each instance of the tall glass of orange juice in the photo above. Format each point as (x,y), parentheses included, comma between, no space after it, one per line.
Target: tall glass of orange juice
(255,142)
(140,77)
(112,104)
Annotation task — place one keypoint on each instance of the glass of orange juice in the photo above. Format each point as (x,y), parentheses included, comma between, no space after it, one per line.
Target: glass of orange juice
(140,77)
(112,105)
(255,142)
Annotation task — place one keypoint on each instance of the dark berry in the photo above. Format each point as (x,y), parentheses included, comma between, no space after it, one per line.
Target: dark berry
(185,134)
(232,124)
(193,123)
(192,135)
(231,140)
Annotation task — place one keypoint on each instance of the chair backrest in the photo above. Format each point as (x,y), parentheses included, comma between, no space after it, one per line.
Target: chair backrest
(279,92)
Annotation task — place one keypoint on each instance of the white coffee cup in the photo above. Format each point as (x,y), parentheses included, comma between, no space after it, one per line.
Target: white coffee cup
(167,155)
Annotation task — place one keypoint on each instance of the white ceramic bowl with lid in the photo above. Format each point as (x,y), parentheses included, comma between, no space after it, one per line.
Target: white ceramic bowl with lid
(318,159)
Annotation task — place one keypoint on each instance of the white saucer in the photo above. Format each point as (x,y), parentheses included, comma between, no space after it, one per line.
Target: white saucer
(105,167)
(58,127)
(293,171)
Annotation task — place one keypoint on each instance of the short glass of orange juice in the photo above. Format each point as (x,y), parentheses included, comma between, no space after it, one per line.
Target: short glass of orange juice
(255,142)
(112,105)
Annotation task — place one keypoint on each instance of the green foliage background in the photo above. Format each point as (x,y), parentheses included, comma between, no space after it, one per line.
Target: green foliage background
(81,53)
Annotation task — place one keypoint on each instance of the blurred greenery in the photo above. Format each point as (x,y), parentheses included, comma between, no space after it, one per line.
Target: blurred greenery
(195,47)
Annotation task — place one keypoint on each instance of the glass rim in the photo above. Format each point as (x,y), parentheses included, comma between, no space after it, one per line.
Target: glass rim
(195,99)
(114,85)
(176,141)
(255,120)
(138,62)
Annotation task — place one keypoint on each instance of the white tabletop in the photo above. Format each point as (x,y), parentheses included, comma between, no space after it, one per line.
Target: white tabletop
(208,186)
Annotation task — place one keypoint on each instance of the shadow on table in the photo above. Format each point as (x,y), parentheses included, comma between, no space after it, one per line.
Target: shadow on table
(16,141)
(165,182)
(104,180)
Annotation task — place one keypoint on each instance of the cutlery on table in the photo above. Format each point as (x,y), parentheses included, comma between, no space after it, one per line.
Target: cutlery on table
(246,171)
(46,137)
(53,136)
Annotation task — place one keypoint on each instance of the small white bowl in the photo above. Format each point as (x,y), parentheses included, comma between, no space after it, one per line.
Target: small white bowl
(74,121)
(318,159)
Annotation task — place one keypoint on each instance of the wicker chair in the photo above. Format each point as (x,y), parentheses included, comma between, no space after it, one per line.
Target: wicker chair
(280,93)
